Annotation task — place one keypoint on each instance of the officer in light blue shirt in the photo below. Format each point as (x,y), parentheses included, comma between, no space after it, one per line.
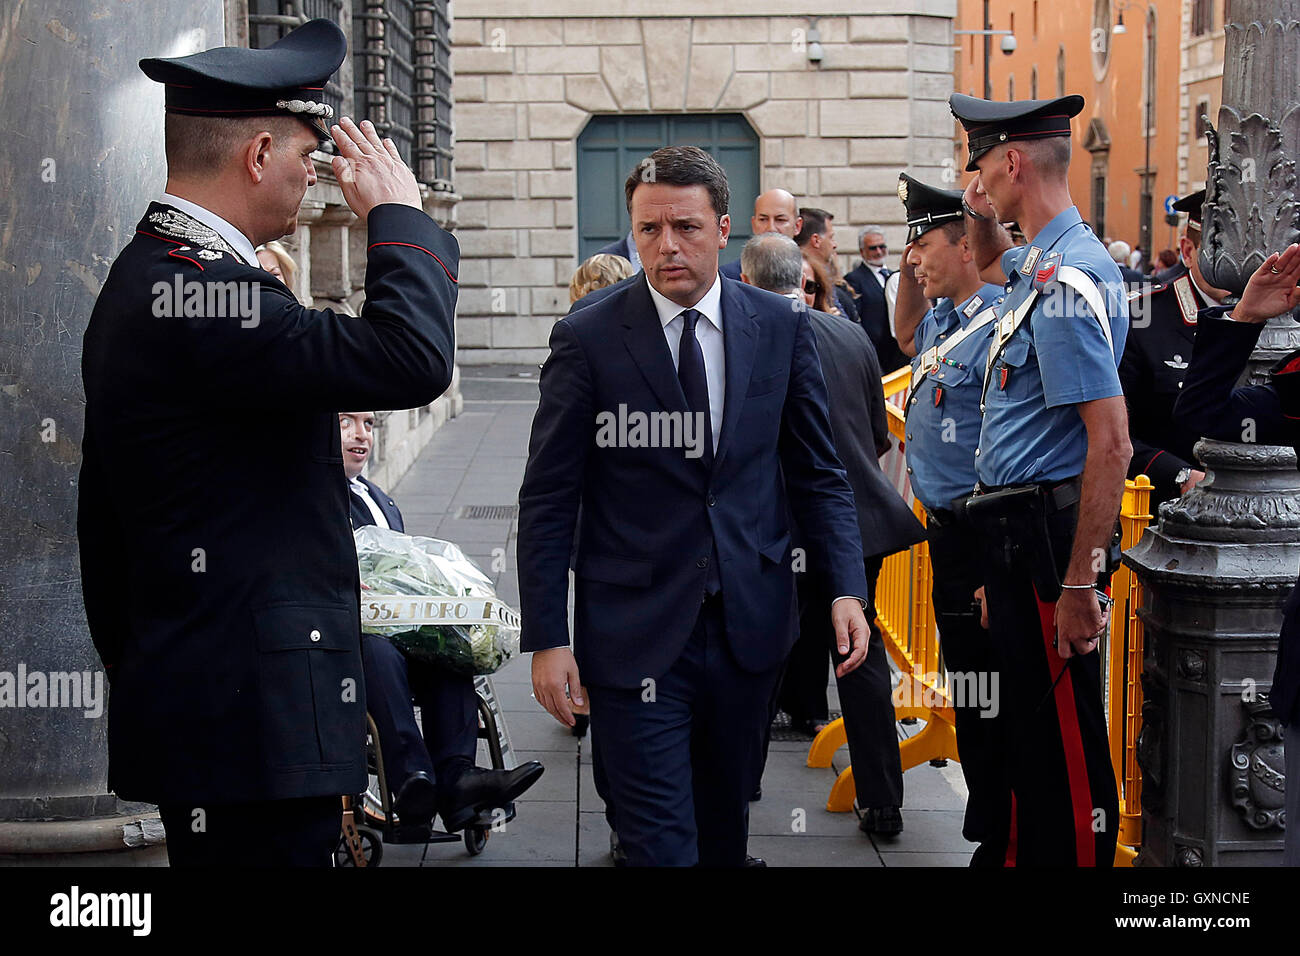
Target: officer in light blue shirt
(1052,457)
(951,342)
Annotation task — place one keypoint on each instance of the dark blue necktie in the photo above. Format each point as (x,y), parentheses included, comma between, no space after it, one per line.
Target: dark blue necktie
(695,383)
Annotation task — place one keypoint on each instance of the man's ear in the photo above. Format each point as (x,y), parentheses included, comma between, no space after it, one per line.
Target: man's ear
(1187,250)
(257,154)
(964,245)
(724,230)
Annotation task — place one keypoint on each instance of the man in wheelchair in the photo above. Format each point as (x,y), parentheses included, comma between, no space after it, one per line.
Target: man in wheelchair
(436,773)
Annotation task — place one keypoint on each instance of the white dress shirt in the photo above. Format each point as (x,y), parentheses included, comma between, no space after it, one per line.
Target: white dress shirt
(236,239)
(361,490)
(708,334)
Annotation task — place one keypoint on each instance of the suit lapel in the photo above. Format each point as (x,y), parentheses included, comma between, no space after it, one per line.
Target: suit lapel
(739,341)
(644,338)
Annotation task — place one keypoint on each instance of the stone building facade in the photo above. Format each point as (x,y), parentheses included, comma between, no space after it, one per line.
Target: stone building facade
(835,132)
(1200,87)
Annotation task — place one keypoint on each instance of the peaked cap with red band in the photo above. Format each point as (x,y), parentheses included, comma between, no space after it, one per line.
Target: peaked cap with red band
(286,78)
(990,123)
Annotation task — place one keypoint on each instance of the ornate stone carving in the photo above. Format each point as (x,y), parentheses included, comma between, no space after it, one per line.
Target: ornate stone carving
(1256,771)
(1188,856)
(1150,743)
(1192,665)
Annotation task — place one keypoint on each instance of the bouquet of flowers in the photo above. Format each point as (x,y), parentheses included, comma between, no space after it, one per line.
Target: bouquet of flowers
(434,603)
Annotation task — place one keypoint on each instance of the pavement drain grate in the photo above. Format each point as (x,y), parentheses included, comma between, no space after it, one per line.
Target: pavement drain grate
(781,729)
(488,512)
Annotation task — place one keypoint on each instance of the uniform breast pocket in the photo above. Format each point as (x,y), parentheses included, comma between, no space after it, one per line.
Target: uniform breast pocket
(948,378)
(310,687)
(1013,372)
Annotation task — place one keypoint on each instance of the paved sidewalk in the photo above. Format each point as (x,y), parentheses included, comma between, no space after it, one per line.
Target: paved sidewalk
(478,459)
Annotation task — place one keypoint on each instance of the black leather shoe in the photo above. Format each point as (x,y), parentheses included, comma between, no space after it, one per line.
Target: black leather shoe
(416,800)
(754,861)
(477,790)
(882,821)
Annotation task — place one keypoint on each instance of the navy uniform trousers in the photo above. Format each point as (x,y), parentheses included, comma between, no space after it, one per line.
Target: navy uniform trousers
(690,752)
(1064,809)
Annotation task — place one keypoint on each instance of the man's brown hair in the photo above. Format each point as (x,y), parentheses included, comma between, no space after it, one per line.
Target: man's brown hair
(682,166)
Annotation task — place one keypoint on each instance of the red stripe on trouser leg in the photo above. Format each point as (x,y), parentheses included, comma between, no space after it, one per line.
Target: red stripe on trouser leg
(1011,835)
(1067,715)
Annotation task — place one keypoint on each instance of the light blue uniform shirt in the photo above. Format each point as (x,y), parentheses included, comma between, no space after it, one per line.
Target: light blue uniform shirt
(943,415)
(1057,358)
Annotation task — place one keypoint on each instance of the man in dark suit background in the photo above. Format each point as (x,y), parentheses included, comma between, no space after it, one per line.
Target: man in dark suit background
(858,423)
(438,772)
(816,237)
(684,609)
(624,247)
(224,603)
(868,280)
(774,211)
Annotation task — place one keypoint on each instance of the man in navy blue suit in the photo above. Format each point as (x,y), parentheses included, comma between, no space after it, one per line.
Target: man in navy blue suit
(436,773)
(687,414)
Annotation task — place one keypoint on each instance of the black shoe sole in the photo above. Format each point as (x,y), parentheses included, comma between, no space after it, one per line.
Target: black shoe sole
(462,817)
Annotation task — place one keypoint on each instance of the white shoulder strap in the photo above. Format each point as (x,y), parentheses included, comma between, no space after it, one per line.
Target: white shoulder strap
(1082,283)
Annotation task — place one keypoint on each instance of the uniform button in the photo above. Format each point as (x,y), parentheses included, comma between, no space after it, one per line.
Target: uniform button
(315,635)
(1180,384)
(909,471)
(977,452)
(909,436)
(981,407)
(941,374)
(913,399)
(702,563)
(712,501)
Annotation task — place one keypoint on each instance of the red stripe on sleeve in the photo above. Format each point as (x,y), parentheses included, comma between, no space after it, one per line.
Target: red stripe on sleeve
(422,249)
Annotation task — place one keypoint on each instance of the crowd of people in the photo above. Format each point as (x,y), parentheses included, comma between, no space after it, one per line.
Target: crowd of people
(713,580)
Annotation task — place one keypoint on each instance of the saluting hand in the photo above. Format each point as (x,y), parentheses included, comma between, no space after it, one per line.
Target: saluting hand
(370,171)
(975,197)
(1272,289)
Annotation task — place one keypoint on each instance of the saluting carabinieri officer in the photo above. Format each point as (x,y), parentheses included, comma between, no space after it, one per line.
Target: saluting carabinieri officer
(224,601)
(1051,460)
(950,344)
(1162,331)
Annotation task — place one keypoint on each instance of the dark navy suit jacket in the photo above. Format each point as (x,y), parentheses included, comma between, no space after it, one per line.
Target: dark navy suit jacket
(873,313)
(650,517)
(1211,406)
(360,513)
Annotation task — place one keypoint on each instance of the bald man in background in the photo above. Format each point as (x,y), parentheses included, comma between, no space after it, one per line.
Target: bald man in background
(774,211)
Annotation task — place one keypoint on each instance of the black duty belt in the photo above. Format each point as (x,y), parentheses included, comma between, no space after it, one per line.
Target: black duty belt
(1057,495)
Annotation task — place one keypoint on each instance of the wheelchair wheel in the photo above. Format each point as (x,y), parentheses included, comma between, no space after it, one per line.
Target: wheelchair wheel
(476,839)
(372,849)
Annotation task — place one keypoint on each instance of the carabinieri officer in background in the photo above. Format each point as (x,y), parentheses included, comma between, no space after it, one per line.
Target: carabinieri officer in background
(223,598)
(951,342)
(1162,329)
(1052,456)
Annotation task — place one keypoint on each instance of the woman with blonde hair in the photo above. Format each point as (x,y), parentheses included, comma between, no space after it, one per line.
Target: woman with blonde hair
(275,259)
(597,272)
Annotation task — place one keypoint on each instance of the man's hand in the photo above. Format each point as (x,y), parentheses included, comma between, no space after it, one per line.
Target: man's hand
(850,629)
(1079,622)
(1272,289)
(910,307)
(978,201)
(984,607)
(555,682)
(1192,481)
(370,171)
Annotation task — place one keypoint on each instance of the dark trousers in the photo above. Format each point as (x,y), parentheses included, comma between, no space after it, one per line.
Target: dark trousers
(448,711)
(956,558)
(268,833)
(1064,807)
(866,693)
(681,757)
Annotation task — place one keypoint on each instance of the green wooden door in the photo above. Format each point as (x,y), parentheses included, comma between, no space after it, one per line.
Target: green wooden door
(611,146)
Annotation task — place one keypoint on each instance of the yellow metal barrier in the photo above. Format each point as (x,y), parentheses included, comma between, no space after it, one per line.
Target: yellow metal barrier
(905,616)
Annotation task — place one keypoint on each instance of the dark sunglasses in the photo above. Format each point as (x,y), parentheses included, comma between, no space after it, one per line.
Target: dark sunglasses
(812,286)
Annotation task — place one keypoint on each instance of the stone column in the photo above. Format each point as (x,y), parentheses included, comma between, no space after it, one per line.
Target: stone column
(1223,558)
(83,129)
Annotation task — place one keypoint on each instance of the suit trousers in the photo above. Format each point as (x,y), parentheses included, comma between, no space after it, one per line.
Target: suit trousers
(302,832)
(448,711)
(682,754)
(955,558)
(1064,810)
(866,693)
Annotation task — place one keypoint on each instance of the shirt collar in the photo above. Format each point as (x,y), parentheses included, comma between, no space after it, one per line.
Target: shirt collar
(1205,296)
(710,306)
(237,240)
